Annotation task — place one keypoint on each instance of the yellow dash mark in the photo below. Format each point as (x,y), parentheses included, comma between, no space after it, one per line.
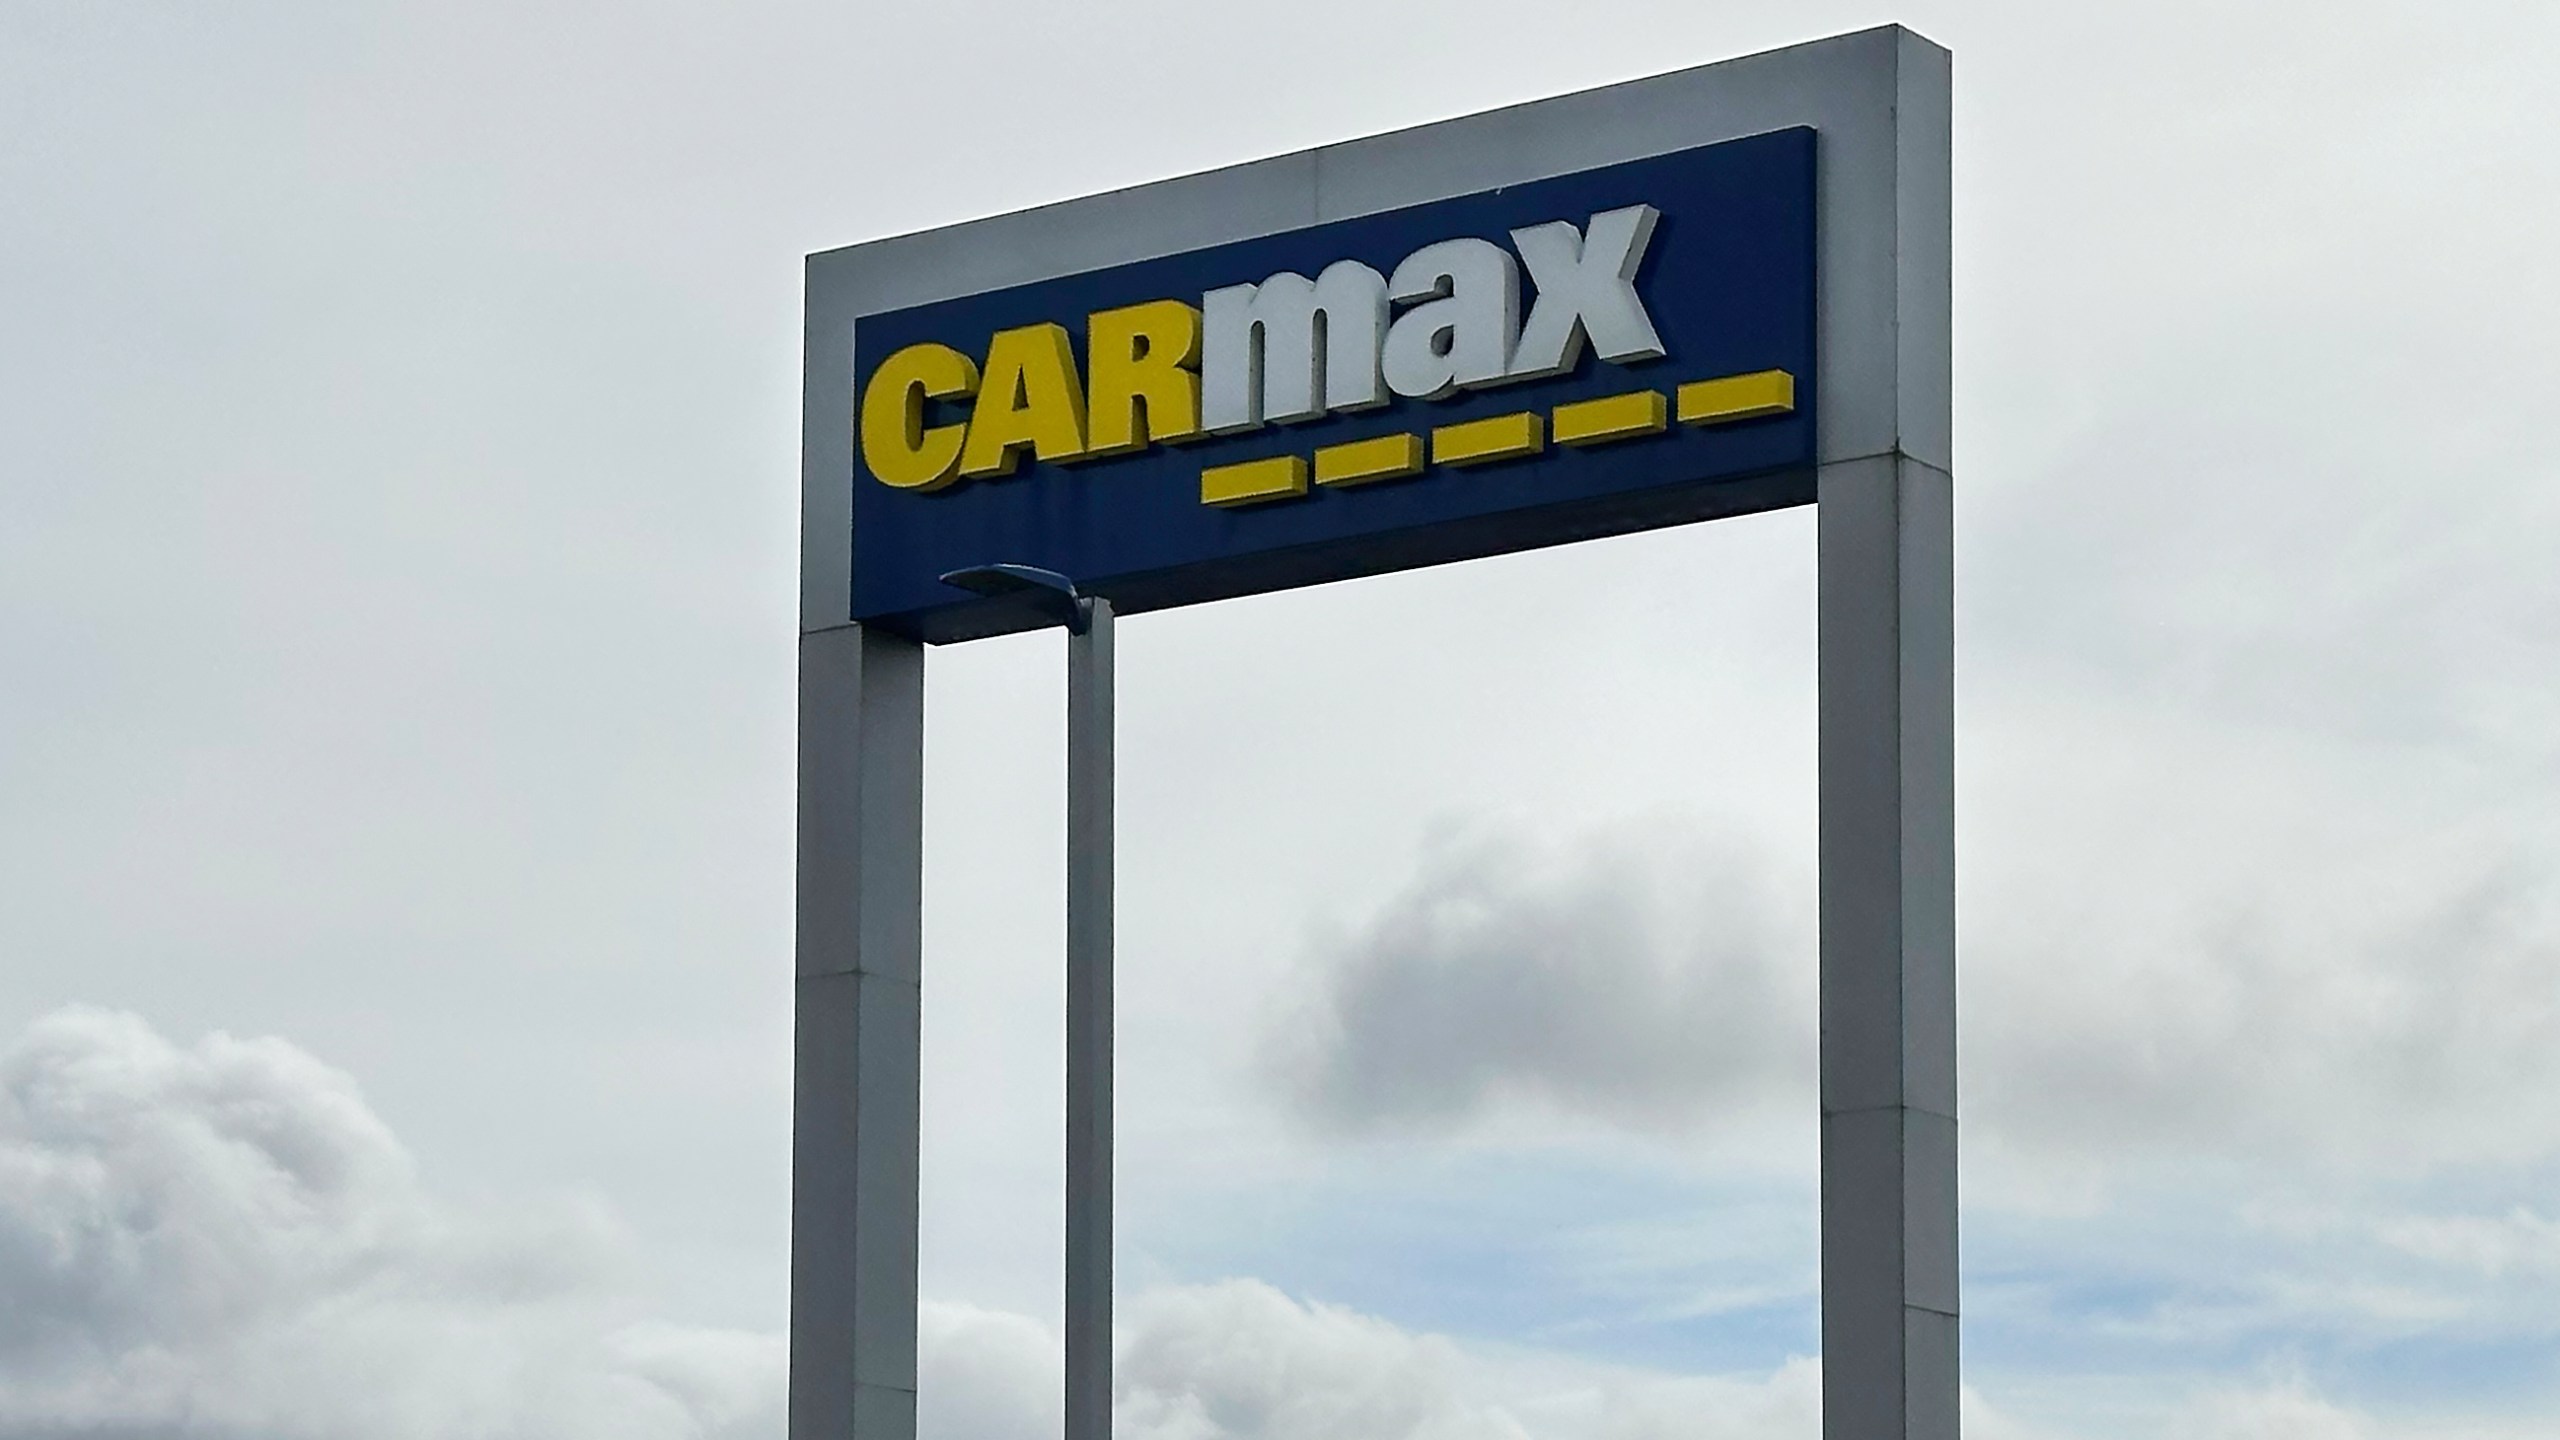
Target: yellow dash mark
(1612,417)
(1358,462)
(1254,481)
(1737,397)
(1500,437)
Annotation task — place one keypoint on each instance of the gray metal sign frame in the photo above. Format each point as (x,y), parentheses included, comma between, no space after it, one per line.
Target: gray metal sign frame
(1880,102)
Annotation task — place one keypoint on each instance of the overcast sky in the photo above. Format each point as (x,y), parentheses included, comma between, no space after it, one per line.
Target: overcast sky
(398,432)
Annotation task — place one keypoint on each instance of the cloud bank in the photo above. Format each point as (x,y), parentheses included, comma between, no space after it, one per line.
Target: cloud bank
(1643,975)
(1238,1360)
(224,1240)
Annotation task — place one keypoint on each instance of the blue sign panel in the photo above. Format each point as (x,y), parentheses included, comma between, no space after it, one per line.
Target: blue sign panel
(1600,352)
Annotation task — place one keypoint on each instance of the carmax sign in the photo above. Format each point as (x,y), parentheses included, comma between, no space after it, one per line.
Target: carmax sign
(1597,352)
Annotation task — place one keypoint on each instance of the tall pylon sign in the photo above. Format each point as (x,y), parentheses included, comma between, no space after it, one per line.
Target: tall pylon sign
(1704,294)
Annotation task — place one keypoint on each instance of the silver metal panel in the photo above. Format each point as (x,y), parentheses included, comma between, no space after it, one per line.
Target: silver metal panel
(853,1194)
(1926,652)
(826,452)
(887,1119)
(1089,1027)
(854,1134)
(1864,1385)
(1887,765)
(880,1410)
(1928,1210)
(861,894)
(1924,251)
(1929,1348)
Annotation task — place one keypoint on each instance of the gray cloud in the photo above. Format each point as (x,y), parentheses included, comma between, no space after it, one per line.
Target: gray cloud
(2376,1013)
(224,1240)
(1643,973)
(2418,1032)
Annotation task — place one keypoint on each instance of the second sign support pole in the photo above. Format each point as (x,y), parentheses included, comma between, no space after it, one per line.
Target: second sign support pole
(1089,1016)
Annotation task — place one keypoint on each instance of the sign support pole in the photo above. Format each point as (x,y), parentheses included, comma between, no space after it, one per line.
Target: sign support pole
(1089,1023)
(855,1095)
(1886,606)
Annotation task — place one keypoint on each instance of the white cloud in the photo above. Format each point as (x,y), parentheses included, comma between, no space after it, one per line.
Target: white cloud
(2284,1412)
(224,1240)
(985,1374)
(1239,1360)
(2519,1241)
